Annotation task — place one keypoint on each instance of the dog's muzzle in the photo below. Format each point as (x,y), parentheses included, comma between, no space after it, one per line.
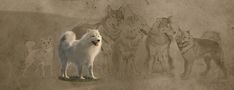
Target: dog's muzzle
(96,42)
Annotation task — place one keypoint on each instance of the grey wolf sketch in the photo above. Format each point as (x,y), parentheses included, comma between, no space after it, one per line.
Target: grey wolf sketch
(194,48)
(128,44)
(125,45)
(43,55)
(157,45)
(80,52)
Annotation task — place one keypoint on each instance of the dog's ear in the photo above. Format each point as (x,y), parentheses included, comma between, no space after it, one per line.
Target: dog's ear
(89,30)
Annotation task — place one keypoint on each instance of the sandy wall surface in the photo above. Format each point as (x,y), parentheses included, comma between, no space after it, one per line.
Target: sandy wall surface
(30,31)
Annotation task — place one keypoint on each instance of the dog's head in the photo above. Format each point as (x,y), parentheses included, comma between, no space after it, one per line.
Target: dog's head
(93,36)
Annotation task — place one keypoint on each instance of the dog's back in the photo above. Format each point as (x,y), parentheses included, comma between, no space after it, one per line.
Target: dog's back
(66,41)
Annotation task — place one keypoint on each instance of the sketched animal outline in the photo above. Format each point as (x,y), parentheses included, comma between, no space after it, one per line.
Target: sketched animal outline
(195,48)
(42,55)
(157,45)
(128,44)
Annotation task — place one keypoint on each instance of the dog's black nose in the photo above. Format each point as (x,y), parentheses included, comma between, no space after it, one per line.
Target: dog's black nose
(98,40)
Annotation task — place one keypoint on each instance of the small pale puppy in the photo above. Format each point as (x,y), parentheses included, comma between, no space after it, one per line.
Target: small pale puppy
(80,52)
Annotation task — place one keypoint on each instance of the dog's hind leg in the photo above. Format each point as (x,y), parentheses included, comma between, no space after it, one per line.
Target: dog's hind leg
(207,60)
(80,71)
(64,69)
(219,61)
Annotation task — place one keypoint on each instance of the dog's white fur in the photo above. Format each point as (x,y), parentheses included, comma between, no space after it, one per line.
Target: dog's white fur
(80,52)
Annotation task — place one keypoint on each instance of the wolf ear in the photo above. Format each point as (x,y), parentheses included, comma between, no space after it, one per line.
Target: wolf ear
(188,31)
(108,9)
(169,18)
(179,30)
(175,33)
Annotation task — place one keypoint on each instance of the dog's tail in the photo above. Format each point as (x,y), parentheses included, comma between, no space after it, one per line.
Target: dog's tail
(212,35)
(66,41)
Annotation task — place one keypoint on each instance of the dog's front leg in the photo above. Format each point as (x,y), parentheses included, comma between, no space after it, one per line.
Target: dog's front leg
(90,66)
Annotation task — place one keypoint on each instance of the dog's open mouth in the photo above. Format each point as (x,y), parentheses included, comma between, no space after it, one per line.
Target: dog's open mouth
(95,43)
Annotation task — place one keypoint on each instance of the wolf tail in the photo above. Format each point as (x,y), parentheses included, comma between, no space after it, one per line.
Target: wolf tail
(66,41)
(212,35)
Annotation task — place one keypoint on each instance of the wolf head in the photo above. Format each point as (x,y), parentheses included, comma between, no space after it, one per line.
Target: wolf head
(93,37)
(114,17)
(162,22)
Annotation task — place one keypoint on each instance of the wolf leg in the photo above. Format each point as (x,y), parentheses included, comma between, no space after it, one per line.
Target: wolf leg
(149,55)
(133,65)
(208,62)
(149,63)
(187,69)
(170,60)
(219,62)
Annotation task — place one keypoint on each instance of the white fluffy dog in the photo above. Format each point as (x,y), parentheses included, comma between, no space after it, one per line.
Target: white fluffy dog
(80,52)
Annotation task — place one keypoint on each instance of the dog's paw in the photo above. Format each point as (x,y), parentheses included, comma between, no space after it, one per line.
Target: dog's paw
(81,78)
(64,78)
(67,77)
(91,78)
(94,78)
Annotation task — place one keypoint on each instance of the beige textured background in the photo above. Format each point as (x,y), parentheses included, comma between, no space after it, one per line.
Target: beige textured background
(33,20)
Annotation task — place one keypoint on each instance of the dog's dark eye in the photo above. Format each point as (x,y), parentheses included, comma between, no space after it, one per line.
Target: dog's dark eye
(93,36)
